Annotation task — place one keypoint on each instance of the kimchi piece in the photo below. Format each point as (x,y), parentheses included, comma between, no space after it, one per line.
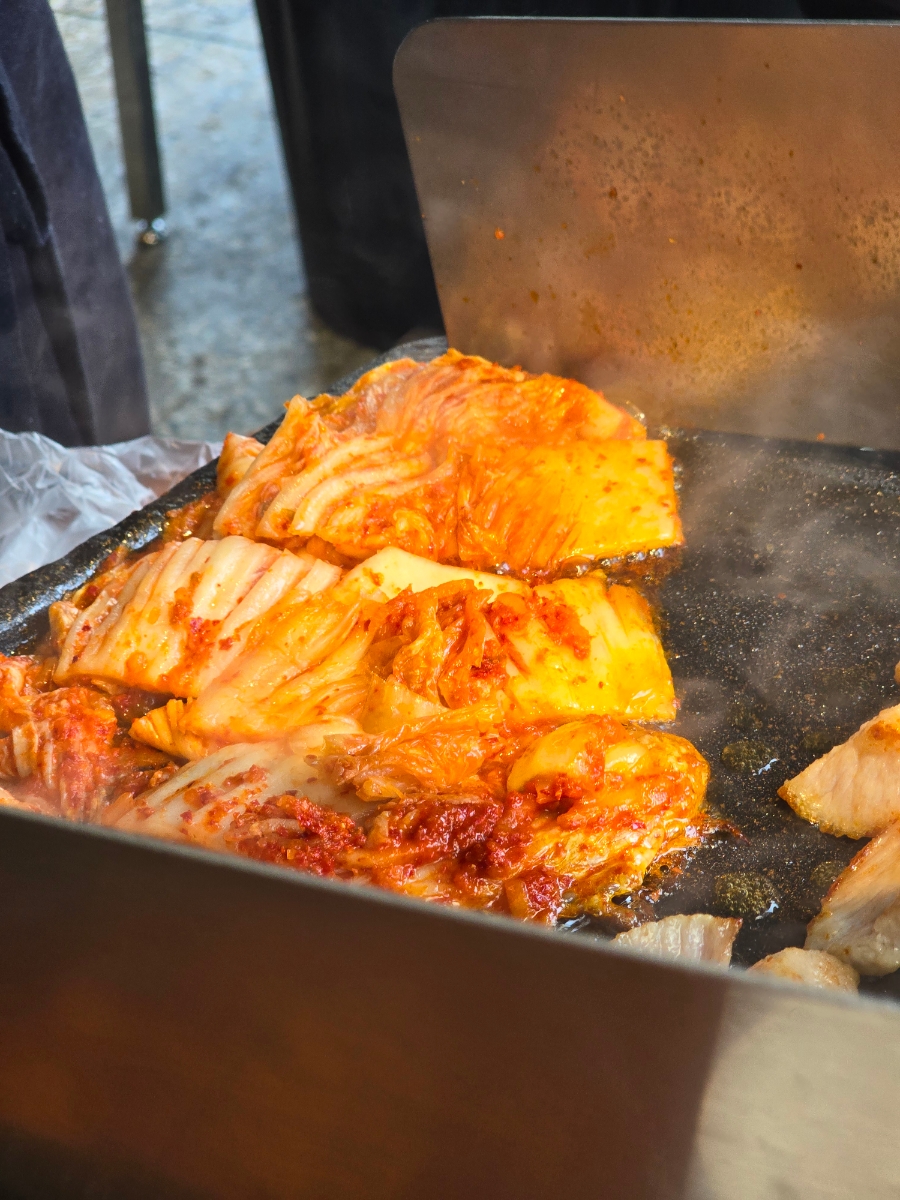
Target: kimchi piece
(197,518)
(264,799)
(574,647)
(542,509)
(401,460)
(67,755)
(176,617)
(532,820)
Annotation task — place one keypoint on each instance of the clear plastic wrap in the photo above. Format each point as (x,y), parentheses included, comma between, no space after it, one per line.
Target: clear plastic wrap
(52,498)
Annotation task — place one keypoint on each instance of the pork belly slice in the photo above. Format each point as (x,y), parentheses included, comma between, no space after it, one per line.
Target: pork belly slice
(854,790)
(541,509)
(184,613)
(815,968)
(695,938)
(860,918)
(566,649)
(252,799)
(67,755)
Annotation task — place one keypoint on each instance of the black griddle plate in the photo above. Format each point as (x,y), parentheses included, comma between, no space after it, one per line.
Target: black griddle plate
(781,626)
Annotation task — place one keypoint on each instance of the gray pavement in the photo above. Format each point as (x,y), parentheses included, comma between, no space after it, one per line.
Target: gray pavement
(225,322)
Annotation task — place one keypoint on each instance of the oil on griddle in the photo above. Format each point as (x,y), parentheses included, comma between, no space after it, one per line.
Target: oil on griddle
(781,629)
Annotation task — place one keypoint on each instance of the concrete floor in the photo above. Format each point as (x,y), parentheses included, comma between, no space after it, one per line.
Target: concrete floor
(225,323)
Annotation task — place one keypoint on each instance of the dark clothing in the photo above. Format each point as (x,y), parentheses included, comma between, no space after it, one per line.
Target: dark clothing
(70,361)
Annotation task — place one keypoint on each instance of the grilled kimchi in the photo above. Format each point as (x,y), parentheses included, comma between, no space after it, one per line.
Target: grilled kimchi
(384,650)
(526,819)
(459,460)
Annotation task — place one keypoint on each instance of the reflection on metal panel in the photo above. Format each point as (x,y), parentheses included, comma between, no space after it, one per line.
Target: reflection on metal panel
(801,1100)
(702,218)
(180,1024)
(342,1043)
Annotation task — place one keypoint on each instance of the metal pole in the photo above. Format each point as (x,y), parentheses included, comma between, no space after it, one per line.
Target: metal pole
(131,67)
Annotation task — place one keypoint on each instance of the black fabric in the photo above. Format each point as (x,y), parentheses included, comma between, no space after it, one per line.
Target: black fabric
(330,63)
(70,363)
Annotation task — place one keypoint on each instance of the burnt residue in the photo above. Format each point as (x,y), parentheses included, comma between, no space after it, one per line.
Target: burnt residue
(750,895)
(749,756)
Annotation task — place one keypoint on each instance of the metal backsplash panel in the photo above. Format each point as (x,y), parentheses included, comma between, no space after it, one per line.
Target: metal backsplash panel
(701,218)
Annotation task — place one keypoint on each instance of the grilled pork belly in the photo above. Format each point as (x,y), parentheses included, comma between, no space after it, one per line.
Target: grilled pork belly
(853,790)
(176,618)
(570,648)
(860,918)
(812,967)
(696,938)
(451,460)
(526,819)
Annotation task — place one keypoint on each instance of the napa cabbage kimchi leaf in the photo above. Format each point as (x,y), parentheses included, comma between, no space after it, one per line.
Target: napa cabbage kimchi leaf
(459,460)
(574,647)
(533,819)
(178,616)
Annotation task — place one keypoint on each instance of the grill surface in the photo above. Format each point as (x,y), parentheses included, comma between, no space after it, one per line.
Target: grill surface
(780,625)
(781,629)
